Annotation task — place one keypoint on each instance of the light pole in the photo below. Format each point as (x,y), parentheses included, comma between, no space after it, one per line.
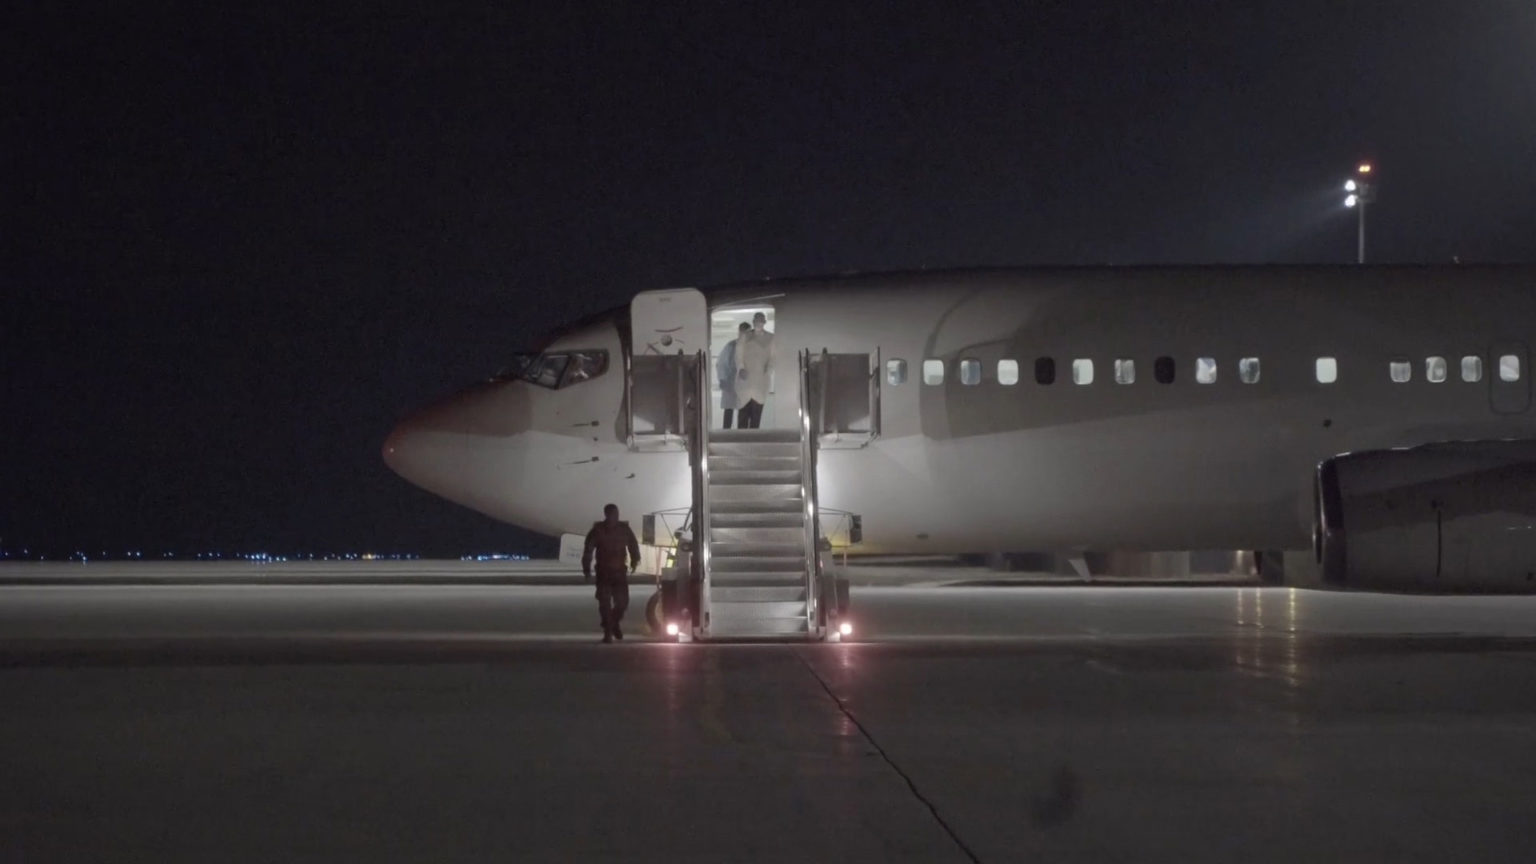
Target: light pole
(1359,188)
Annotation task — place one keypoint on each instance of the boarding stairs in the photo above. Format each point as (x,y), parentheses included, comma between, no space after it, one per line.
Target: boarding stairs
(756,532)
(753,566)
(761,539)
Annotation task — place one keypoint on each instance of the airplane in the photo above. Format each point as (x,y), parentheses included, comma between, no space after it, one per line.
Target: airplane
(1373,423)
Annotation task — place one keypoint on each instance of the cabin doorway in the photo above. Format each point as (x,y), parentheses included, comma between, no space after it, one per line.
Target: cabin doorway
(724,330)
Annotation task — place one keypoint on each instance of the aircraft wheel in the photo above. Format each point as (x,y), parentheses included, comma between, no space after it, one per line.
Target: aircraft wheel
(653,614)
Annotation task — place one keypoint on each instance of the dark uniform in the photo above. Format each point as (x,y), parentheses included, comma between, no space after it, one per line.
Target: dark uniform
(610,543)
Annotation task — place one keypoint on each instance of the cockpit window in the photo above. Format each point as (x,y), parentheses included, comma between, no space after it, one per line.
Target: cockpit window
(585,365)
(547,372)
(556,370)
(514,370)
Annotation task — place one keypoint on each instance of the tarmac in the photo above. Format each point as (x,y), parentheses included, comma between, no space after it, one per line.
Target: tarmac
(189,720)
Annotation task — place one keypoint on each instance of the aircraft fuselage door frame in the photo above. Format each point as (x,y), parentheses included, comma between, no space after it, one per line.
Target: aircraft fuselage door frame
(1508,396)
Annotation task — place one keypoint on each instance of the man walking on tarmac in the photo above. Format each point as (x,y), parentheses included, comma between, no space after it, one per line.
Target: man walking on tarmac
(610,539)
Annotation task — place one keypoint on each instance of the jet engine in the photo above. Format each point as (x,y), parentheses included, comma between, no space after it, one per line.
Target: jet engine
(1439,518)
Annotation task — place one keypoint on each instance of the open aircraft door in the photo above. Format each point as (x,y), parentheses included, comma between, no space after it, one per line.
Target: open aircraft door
(1509,379)
(845,398)
(668,330)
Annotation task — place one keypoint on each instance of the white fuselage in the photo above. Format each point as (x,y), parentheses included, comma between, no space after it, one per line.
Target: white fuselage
(961,467)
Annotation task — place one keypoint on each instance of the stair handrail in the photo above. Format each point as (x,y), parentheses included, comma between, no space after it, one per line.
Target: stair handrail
(682,396)
(699,457)
(629,398)
(821,393)
(874,396)
(808,494)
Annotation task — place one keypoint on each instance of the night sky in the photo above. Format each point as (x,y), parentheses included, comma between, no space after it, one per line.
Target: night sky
(238,245)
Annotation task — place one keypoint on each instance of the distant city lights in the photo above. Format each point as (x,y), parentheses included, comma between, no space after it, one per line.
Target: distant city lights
(81,556)
(494,557)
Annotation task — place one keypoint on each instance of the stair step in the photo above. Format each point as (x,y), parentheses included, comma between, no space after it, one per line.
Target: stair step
(729,593)
(758,628)
(791,477)
(719,551)
(754,493)
(755,509)
(756,564)
(754,450)
(754,463)
(735,436)
(739,610)
(793,533)
(756,579)
(721,521)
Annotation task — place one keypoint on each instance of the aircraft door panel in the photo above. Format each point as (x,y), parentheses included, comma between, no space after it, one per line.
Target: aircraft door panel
(667,330)
(670,321)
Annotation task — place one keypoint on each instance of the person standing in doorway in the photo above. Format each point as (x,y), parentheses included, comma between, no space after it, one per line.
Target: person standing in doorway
(609,541)
(754,362)
(725,373)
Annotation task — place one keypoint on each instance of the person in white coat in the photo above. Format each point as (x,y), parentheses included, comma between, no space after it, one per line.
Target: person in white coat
(725,369)
(754,371)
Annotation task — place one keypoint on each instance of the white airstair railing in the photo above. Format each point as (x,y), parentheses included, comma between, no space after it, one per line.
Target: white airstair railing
(874,396)
(808,438)
(699,456)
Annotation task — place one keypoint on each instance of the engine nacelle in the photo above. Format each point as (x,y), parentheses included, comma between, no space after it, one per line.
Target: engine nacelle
(1444,518)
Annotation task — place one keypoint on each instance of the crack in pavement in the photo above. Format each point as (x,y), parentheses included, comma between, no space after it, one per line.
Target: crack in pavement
(912,786)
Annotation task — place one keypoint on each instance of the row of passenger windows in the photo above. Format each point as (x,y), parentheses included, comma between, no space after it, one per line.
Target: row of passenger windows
(1164,370)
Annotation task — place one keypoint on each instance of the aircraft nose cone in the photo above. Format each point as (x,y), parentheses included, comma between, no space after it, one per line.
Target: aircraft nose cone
(444,447)
(403,449)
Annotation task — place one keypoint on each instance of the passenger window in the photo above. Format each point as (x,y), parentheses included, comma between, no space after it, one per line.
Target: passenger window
(1471,369)
(1248,370)
(1434,369)
(1125,371)
(895,372)
(970,371)
(1327,370)
(1162,370)
(933,372)
(1400,370)
(1082,371)
(1007,372)
(1205,370)
(1045,370)
(1509,367)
